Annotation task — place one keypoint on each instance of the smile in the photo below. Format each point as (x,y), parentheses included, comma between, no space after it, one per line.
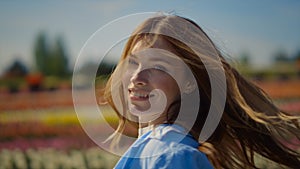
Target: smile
(139,95)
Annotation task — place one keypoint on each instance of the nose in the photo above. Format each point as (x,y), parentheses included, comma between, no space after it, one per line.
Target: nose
(140,78)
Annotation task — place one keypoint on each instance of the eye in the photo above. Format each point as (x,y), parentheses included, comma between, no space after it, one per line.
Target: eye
(160,67)
(132,62)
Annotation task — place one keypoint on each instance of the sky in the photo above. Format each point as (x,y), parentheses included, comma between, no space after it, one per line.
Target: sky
(259,28)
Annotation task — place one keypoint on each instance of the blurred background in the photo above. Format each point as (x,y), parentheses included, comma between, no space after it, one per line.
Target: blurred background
(40,41)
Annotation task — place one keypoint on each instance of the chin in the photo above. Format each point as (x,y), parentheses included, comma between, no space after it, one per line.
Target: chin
(137,110)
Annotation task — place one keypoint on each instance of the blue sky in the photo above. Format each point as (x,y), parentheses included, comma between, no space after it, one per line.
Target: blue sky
(260,28)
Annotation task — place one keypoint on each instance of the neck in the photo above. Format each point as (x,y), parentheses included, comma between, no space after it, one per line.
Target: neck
(146,120)
(144,129)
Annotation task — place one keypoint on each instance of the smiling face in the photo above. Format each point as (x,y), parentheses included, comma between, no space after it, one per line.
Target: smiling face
(148,83)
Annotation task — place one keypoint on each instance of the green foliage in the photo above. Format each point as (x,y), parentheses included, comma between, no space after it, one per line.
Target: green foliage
(105,68)
(283,67)
(13,84)
(41,52)
(16,69)
(51,61)
(14,76)
(59,61)
(297,56)
(281,57)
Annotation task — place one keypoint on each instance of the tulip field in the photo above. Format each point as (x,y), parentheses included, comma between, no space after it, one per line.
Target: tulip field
(51,158)
(40,130)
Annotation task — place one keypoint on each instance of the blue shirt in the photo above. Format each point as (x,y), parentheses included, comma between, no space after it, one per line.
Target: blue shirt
(165,147)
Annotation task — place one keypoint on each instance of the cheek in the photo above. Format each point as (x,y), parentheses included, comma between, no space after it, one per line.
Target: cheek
(174,91)
(170,88)
(126,79)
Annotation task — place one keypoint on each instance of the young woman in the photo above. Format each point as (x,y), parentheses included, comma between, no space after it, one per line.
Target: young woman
(165,84)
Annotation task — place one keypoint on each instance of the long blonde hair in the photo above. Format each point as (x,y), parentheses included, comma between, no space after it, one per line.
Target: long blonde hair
(251,124)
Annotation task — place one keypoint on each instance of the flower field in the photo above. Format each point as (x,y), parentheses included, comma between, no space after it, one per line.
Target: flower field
(41,130)
(50,158)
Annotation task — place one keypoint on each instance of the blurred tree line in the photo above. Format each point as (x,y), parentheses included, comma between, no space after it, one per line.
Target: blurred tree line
(104,70)
(50,67)
(282,67)
(51,60)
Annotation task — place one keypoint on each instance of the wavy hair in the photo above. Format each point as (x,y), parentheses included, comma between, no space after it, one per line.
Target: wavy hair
(251,124)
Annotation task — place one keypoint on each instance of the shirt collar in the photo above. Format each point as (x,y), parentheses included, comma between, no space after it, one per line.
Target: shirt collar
(144,130)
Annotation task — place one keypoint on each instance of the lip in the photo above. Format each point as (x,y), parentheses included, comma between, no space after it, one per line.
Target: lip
(139,95)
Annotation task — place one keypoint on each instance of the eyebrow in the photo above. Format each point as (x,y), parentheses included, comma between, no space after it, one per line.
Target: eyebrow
(151,59)
(160,60)
(133,55)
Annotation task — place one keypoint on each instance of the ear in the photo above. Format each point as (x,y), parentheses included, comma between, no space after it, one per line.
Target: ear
(189,87)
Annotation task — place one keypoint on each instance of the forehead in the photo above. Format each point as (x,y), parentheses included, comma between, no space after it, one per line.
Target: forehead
(159,42)
(149,55)
(164,51)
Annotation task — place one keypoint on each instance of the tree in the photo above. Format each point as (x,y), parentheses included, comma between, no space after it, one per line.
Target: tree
(297,56)
(281,56)
(105,68)
(41,53)
(59,59)
(16,69)
(51,61)
(14,75)
(297,61)
(245,58)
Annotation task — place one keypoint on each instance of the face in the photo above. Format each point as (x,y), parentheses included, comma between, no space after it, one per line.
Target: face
(148,83)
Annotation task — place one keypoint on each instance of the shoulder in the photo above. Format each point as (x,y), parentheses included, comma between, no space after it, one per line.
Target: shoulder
(168,154)
(167,148)
(183,156)
(177,151)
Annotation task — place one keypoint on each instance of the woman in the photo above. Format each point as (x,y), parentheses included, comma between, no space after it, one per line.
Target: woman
(165,85)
